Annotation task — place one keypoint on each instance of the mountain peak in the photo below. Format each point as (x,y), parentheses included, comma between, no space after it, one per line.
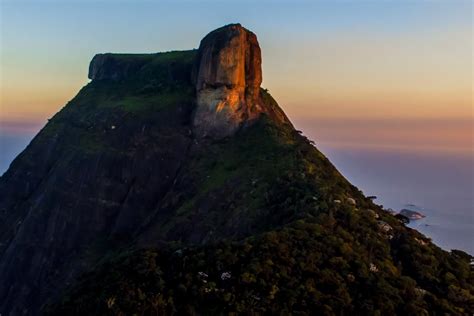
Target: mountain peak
(228,74)
(225,74)
(192,226)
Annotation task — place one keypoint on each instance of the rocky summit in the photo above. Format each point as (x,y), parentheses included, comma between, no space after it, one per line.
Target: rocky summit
(173,183)
(228,78)
(228,75)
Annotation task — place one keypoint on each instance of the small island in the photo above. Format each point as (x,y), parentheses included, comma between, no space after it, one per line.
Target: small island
(412,215)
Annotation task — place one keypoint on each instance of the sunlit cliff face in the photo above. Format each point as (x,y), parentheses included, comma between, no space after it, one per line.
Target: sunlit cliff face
(228,78)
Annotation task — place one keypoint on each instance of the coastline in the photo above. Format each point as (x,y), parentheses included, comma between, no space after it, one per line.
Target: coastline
(441,185)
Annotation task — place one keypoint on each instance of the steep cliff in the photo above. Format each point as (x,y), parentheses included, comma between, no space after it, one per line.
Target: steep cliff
(228,75)
(180,186)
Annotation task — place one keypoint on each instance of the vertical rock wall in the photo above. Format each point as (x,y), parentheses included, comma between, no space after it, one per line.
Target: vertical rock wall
(228,75)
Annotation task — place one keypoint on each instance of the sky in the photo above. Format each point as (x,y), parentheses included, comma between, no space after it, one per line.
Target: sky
(348,73)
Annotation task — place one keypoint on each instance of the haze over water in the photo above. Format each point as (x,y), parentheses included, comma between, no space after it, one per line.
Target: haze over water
(438,184)
(421,165)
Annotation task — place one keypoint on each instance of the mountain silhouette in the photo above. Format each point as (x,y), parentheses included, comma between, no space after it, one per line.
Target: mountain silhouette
(173,183)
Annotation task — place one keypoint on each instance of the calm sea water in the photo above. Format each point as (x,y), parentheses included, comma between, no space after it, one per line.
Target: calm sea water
(440,184)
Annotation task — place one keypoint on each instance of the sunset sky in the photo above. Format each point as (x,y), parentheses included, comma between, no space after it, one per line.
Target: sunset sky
(363,73)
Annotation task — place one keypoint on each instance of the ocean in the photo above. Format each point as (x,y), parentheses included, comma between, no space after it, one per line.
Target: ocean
(437,183)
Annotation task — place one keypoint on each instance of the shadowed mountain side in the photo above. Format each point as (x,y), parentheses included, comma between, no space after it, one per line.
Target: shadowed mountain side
(130,184)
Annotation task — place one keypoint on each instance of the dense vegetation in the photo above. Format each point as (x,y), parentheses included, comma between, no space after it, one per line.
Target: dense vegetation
(312,265)
(323,248)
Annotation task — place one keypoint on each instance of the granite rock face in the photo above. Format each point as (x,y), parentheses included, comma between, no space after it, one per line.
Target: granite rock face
(111,67)
(93,174)
(228,75)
